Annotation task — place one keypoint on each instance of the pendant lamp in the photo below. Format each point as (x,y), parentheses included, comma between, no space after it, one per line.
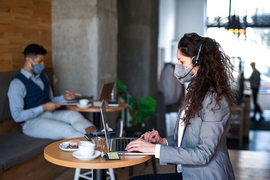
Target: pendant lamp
(234,24)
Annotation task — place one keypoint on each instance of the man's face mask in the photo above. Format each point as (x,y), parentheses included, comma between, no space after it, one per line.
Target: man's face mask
(37,68)
(183,73)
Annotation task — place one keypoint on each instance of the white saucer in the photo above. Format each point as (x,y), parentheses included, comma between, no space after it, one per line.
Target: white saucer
(77,155)
(80,106)
(64,147)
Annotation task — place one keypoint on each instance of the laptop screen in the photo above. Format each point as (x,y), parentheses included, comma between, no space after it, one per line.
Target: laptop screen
(105,123)
(105,92)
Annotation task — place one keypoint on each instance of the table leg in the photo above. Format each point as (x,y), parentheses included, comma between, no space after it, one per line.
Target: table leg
(96,120)
(99,174)
(77,173)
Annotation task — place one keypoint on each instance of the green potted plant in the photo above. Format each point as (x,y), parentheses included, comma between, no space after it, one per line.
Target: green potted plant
(139,111)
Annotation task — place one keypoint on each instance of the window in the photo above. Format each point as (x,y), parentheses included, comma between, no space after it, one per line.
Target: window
(255,45)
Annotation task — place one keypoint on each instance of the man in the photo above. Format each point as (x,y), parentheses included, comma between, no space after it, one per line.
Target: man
(255,84)
(32,102)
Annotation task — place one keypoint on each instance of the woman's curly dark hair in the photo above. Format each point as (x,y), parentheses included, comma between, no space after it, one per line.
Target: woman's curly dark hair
(214,74)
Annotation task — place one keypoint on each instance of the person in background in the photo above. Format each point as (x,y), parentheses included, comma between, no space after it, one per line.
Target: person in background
(32,102)
(254,85)
(198,146)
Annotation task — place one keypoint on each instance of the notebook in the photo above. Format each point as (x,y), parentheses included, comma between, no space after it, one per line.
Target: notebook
(116,144)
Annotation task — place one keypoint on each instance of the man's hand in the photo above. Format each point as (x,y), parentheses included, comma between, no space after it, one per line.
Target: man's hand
(153,137)
(69,95)
(90,129)
(141,146)
(50,106)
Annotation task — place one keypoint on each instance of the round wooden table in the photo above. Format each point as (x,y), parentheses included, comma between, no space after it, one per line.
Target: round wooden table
(121,106)
(96,111)
(55,155)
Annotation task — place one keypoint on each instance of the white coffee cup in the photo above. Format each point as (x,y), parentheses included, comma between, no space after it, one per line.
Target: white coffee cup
(86,148)
(84,102)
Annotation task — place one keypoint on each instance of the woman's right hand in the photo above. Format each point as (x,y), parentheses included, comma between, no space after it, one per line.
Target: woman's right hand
(153,137)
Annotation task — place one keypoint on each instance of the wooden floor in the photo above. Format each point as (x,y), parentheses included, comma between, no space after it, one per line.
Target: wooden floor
(252,162)
(247,165)
(123,173)
(250,165)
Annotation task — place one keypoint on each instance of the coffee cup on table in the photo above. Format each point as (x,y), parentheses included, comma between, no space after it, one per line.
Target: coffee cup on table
(84,102)
(86,148)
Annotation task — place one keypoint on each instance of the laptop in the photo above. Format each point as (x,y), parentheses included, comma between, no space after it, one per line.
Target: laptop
(106,91)
(116,144)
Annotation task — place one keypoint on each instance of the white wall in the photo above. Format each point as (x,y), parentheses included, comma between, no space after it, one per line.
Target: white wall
(166,26)
(177,17)
(190,17)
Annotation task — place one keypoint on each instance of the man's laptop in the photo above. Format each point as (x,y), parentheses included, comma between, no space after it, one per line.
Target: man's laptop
(116,144)
(105,92)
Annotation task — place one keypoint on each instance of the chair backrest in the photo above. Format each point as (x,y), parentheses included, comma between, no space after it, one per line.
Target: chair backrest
(119,128)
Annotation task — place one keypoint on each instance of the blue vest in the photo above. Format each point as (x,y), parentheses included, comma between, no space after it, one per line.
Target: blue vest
(35,96)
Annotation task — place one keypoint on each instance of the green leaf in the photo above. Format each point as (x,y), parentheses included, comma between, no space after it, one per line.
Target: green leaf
(121,85)
(138,111)
(149,102)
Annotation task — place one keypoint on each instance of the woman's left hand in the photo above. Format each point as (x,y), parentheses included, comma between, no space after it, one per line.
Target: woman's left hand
(141,146)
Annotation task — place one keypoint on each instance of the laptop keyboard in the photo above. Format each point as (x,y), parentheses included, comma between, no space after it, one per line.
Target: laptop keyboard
(121,144)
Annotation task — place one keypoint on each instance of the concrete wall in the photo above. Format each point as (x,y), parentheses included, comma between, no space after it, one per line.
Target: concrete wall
(84,43)
(137,46)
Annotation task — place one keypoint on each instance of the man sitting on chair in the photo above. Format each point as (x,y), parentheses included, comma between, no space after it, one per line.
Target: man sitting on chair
(32,102)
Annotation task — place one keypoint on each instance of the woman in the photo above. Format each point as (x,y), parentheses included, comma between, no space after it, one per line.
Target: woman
(198,146)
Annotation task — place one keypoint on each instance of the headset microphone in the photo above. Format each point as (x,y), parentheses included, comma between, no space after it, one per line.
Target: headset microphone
(186,74)
(195,60)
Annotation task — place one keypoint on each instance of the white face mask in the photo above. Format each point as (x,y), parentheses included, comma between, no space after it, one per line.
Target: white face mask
(183,73)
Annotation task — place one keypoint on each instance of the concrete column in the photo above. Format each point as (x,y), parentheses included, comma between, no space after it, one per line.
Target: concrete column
(137,46)
(84,45)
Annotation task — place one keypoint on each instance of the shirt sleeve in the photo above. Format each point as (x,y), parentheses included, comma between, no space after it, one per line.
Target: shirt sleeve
(16,94)
(157,150)
(55,98)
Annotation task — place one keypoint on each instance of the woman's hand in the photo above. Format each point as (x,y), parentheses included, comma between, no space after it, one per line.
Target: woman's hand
(141,146)
(153,137)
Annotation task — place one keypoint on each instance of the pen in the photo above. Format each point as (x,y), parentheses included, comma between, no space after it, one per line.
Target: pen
(75,93)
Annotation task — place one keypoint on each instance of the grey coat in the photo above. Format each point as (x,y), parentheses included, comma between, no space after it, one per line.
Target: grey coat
(203,152)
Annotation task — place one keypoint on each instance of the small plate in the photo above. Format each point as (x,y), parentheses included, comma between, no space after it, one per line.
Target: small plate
(77,155)
(64,147)
(83,107)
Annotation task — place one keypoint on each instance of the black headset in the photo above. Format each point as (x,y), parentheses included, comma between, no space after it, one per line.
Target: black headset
(195,59)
